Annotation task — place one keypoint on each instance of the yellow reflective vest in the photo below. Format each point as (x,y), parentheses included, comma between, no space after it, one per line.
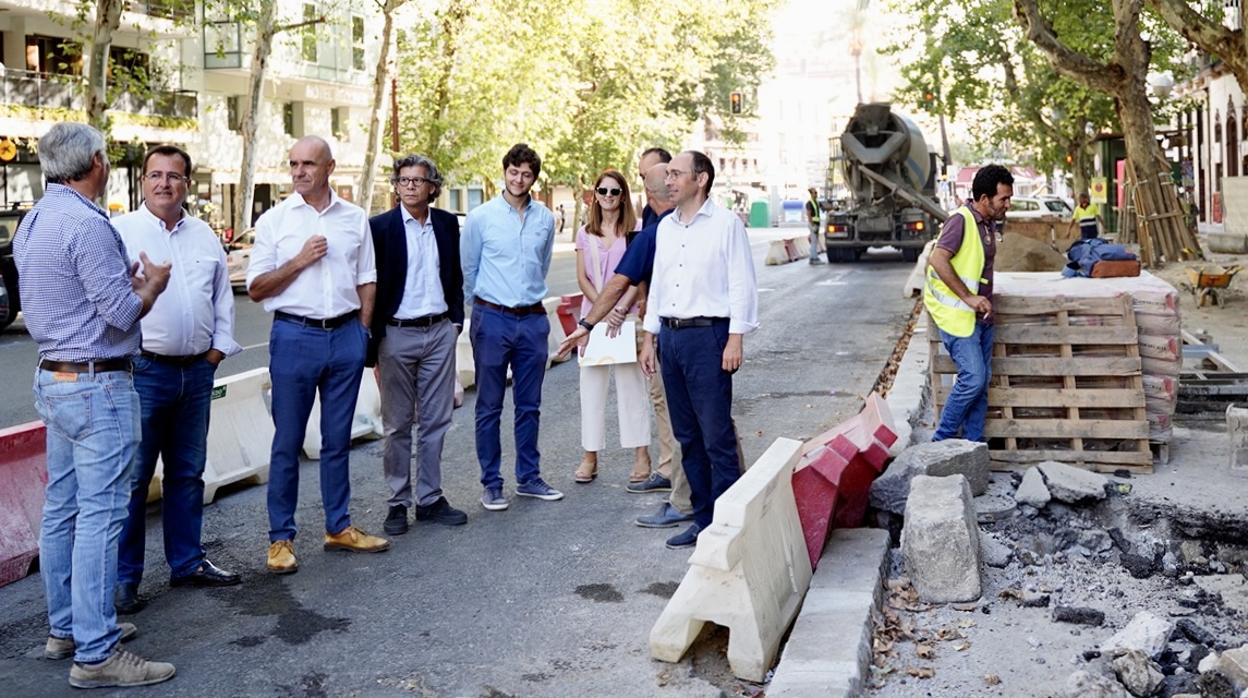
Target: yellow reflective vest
(948,311)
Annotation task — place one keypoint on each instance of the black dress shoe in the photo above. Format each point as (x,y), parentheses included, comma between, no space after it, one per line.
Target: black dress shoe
(441,512)
(396,521)
(127,600)
(206,575)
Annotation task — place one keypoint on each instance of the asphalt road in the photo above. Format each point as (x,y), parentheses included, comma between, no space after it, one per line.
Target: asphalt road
(547,599)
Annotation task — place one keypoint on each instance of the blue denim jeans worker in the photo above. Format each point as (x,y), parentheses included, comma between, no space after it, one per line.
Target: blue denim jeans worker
(175,403)
(967,406)
(500,340)
(302,361)
(699,399)
(93,440)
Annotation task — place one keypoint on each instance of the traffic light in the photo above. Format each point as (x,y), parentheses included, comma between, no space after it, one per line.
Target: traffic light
(735,102)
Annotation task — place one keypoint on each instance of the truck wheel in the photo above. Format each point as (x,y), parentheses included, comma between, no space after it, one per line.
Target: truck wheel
(9,312)
(910,254)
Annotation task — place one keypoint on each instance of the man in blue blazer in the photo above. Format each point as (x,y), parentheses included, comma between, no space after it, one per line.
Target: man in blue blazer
(418,317)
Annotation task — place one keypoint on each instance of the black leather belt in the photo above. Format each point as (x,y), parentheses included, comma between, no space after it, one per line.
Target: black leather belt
(522,310)
(426,321)
(175,360)
(678,323)
(98,365)
(324,324)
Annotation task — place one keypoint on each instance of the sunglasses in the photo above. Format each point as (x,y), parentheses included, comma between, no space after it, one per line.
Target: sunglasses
(609,191)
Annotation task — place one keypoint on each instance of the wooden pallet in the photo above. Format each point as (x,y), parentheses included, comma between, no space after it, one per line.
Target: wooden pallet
(1067,384)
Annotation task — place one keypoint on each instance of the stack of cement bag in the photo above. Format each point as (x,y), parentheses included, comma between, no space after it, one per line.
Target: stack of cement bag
(1156,305)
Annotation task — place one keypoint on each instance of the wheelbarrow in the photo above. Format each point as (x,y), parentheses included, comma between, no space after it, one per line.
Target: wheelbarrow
(1207,281)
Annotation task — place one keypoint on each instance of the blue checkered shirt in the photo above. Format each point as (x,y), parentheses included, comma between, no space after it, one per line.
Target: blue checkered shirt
(74,280)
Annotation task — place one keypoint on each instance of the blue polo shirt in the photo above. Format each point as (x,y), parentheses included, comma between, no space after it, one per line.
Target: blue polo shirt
(638,261)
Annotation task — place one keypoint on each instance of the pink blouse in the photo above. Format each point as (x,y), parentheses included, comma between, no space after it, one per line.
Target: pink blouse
(608,259)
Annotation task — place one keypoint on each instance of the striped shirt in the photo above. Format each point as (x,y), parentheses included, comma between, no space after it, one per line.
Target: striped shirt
(74,280)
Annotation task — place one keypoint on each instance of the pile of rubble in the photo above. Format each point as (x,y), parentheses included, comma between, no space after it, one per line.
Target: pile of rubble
(1056,540)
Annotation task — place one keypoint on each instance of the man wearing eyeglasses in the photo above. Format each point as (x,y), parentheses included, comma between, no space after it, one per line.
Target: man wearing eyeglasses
(185,336)
(703,299)
(419,314)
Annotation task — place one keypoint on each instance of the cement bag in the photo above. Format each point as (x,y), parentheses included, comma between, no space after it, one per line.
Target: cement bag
(1164,325)
(1159,406)
(1161,388)
(1161,367)
(1161,347)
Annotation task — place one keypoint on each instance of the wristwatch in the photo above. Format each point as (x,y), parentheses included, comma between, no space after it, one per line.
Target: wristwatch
(589,326)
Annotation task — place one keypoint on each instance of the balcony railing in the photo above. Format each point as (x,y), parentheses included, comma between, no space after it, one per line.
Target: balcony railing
(177,10)
(33,89)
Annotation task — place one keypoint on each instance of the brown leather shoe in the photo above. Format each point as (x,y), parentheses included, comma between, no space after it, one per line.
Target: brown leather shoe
(356,541)
(282,557)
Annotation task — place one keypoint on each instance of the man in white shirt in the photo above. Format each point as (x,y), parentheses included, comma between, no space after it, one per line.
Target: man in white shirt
(187,333)
(312,266)
(703,299)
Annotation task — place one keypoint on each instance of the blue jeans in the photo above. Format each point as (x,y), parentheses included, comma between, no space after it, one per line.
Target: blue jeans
(500,340)
(93,440)
(967,405)
(303,360)
(175,403)
(699,399)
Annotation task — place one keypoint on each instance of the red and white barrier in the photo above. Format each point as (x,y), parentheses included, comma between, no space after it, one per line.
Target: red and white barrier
(23,477)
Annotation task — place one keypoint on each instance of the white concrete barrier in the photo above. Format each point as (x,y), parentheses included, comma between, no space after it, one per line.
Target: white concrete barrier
(465,369)
(365,422)
(748,573)
(557,335)
(240,432)
(802,247)
(777,253)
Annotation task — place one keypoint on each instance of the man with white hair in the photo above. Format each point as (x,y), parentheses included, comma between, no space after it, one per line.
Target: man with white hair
(312,266)
(83,305)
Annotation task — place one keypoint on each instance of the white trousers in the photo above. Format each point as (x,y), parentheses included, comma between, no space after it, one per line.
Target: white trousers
(633,398)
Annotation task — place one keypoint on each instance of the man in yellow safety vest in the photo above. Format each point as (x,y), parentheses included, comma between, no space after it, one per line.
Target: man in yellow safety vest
(958,296)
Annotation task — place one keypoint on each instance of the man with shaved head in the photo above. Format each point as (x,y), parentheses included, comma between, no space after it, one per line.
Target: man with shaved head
(313,267)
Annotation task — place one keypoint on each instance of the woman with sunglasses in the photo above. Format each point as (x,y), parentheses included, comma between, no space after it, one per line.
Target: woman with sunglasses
(600,245)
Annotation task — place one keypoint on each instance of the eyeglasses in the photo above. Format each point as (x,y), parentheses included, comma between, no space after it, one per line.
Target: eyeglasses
(411,181)
(609,191)
(171,177)
(673,174)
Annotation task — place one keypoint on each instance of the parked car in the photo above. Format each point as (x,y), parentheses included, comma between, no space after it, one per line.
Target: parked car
(1037,207)
(237,257)
(10,302)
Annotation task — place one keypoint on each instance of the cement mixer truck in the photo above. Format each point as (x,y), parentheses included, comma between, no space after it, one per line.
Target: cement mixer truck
(882,163)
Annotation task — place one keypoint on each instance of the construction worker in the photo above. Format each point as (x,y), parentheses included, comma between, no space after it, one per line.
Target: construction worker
(1087,216)
(814,220)
(958,296)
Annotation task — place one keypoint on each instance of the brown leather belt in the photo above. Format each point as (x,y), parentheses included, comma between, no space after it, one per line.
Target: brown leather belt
(522,310)
(324,324)
(98,365)
(175,360)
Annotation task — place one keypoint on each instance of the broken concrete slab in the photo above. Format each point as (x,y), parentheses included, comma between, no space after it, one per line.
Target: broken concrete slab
(1032,490)
(1233,664)
(1082,684)
(1139,674)
(940,540)
(829,650)
(1070,484)
(1147,632)
(993,552)
(936,459)
(1195,632)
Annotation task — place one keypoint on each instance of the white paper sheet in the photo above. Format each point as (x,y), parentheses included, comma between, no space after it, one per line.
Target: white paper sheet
(605,351)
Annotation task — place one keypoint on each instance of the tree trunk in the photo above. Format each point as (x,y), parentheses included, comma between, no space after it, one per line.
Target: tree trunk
(245,196)
(107,20)
(380,79)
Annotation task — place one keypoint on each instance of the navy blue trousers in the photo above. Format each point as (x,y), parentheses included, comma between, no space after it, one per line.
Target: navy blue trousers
(302,361)
(501,340)
(699,400)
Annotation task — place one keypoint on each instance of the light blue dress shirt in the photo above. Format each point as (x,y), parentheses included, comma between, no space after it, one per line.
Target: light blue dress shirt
(506,257)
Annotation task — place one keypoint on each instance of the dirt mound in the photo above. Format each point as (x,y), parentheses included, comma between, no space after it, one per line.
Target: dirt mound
(1019,253)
